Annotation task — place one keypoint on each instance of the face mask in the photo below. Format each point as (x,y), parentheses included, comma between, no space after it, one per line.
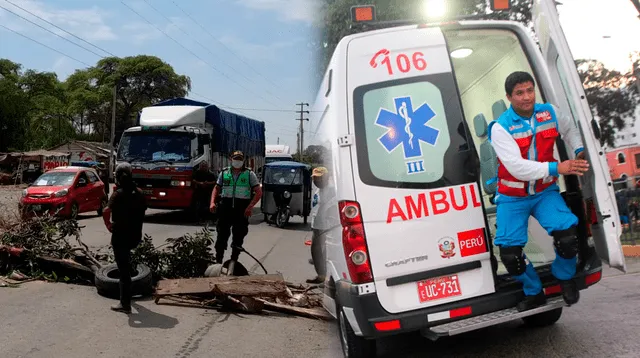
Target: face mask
(237,164)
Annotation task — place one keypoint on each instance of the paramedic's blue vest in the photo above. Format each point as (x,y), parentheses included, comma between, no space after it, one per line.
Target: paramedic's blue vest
(536,142)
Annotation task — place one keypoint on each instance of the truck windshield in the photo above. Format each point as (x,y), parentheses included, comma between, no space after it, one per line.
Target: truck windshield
(155,146)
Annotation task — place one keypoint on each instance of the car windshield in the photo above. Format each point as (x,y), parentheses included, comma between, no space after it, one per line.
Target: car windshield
(154,146)
(55,179)
(282,175)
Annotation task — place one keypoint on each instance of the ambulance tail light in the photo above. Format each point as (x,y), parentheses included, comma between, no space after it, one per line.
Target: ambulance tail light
(354,242)
(593,278)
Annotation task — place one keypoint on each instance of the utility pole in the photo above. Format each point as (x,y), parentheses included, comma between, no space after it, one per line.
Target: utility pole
(278,142)
(301,133)
(113,132)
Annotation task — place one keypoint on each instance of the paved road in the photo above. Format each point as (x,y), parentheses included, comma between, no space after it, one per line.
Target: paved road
(59,320)
(55,320)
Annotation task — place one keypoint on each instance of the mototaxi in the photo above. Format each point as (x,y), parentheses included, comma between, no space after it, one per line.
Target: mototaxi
(286,191)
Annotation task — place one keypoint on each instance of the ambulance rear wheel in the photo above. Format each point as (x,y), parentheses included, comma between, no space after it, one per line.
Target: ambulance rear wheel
(353,346)
(543,319)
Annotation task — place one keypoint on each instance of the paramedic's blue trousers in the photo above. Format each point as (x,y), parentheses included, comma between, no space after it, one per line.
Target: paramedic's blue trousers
(553,214)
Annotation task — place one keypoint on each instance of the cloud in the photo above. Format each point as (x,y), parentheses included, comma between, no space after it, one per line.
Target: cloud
(255,52)
(87,23)
(289,10)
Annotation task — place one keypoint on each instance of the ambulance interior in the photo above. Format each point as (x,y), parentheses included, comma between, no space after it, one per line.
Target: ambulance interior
(482,60)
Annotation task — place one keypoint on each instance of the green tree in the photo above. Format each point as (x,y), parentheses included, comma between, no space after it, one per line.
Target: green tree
(13,107)
(39,111)
(140,81)
(611,96)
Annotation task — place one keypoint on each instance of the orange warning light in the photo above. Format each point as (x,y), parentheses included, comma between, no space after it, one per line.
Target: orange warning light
(500,5)
(363,13)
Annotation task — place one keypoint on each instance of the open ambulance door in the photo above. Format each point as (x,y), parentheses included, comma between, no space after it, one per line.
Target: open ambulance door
(571,98)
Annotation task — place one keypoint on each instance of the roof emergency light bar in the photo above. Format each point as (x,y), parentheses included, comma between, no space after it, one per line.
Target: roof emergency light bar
(364,16)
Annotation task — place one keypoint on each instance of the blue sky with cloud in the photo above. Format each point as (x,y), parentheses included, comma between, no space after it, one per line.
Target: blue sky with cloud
(248,54)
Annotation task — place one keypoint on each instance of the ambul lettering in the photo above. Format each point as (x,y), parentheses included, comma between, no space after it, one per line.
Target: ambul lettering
(440,201)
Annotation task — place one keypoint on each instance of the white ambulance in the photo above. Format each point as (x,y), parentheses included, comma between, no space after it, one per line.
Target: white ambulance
(403,112)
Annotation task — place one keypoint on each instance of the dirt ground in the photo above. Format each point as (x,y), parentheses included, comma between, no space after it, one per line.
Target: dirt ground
(9,197)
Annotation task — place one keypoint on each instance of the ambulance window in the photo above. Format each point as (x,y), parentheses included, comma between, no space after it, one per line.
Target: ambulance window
(566,88)
(410,133)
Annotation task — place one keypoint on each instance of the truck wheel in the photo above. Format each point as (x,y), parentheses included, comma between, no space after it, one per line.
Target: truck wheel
(543,319)
(107,281)
(352,345)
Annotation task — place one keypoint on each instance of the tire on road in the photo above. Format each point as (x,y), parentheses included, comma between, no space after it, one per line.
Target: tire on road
(107,281)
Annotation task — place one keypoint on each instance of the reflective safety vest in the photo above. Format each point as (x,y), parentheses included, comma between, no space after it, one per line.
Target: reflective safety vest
(536,142)
(240,188)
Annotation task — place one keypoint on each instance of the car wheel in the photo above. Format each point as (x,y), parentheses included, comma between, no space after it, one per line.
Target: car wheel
(353,346)
(74,211)
(107,281)
(543,319)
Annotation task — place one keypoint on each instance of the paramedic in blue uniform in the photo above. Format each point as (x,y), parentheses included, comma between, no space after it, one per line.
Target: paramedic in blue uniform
(523,138)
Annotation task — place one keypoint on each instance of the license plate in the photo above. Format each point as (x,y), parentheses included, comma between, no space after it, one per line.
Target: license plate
(439,288)
(36,207)
(147,191)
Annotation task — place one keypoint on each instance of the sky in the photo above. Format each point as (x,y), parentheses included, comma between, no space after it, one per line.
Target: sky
(252,55)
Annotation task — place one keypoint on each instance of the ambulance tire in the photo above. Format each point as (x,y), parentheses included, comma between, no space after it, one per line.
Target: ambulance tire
(543,319)
(353,346)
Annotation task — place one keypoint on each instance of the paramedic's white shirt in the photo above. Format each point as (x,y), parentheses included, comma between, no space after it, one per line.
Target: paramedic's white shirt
(508,151)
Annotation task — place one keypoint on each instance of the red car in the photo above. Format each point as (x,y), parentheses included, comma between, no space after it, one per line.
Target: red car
(65,191)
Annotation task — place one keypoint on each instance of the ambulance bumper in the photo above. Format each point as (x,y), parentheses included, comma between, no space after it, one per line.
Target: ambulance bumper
(370,320)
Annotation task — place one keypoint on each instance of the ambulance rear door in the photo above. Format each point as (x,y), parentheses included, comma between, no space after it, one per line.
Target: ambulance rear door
(572,99)
(414,171)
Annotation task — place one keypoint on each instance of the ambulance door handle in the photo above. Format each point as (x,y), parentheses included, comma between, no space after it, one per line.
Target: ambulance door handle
(596,128)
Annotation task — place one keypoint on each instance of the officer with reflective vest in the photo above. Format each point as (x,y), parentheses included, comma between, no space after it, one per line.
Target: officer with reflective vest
(523,138)
(239,191)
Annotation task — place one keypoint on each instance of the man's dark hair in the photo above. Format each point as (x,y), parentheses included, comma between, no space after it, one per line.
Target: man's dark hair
(515,79)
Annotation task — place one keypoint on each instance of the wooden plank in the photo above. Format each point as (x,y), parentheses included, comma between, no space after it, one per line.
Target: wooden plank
(254,285)
(317,313)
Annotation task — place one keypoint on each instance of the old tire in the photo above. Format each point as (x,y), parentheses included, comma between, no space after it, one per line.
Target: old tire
(353,346)
(543,319)
(107,281)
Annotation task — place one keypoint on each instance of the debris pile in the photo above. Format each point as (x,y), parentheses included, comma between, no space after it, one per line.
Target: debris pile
(50,248)
(249,294)
(40,248)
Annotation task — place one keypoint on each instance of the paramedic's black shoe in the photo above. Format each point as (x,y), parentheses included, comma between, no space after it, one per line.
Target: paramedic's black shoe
(531,302)
(120,308)
(570,292)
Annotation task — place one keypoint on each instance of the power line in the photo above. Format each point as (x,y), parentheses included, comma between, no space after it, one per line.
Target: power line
(194,54)
(61,29)
(44,28)
(225,46)
(204,47)
(47,46)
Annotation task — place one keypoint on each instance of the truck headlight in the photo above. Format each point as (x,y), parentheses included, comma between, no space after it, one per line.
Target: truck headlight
(286,194)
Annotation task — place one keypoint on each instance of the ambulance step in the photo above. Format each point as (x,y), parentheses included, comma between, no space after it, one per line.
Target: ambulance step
(493,318)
